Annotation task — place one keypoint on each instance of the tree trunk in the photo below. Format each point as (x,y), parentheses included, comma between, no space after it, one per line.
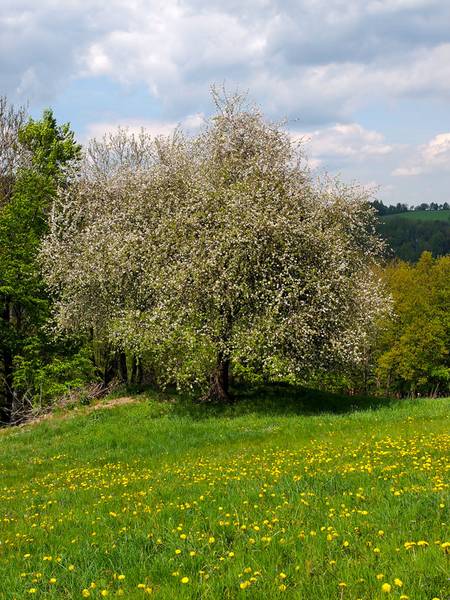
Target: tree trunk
(123,370)
(219,389)
(110,369)
(8,392)
(133,376)
(8,373)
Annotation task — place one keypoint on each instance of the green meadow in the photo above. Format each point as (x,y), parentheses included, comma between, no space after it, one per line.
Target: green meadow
(421,215)
(280,495)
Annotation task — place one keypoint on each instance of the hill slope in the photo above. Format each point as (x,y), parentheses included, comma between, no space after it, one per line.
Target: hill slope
(158,499)
(409,234)
(420,215)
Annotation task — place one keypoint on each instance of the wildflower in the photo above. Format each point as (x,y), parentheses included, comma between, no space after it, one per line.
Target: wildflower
(386,588)
(398,582)
(52,580)
(282,587)
(244,585)
(71,568)
(85,593)
(184,580)
(121,577)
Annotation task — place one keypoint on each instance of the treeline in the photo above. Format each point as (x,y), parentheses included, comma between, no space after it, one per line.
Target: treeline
(408,239)
(409,353)
(395,209)
(193,262)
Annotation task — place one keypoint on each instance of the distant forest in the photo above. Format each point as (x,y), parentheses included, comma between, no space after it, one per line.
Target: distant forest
(413,230)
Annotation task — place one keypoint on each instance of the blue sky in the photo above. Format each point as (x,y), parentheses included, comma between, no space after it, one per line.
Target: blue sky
(366,83)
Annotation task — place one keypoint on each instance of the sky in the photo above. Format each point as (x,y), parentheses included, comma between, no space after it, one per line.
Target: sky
(365,83)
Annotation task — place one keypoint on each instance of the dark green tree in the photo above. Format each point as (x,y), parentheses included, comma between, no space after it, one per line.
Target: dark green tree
(46,149)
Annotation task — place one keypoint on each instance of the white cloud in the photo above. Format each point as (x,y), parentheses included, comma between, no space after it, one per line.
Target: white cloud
(154,127)
(317,60)
(344,142)
(428,158)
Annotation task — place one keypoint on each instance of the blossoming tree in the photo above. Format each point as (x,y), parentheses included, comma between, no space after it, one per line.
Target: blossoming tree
(217,250)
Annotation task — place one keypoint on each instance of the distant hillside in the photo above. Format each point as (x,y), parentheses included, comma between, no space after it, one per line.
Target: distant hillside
(421,215)
(411,233)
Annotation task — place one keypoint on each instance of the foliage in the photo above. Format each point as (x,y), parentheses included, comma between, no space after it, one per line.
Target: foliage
(52,147)
(45,148)
(12,155)
(410,236)
(221,244)
(42,373)
(254,500)
(415,348)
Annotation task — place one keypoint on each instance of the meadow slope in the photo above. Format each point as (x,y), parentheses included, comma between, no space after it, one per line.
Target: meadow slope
(157,499)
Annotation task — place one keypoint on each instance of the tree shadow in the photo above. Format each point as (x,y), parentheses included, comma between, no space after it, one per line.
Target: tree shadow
(276,399)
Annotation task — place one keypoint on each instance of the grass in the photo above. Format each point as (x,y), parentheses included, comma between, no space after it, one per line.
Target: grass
(270,498)
(421,215)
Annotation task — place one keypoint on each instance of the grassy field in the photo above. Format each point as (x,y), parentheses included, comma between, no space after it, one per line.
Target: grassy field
(421,215)
(161,499)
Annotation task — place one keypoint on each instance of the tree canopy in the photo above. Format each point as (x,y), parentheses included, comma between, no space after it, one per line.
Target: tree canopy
(222,243)
(33,156)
